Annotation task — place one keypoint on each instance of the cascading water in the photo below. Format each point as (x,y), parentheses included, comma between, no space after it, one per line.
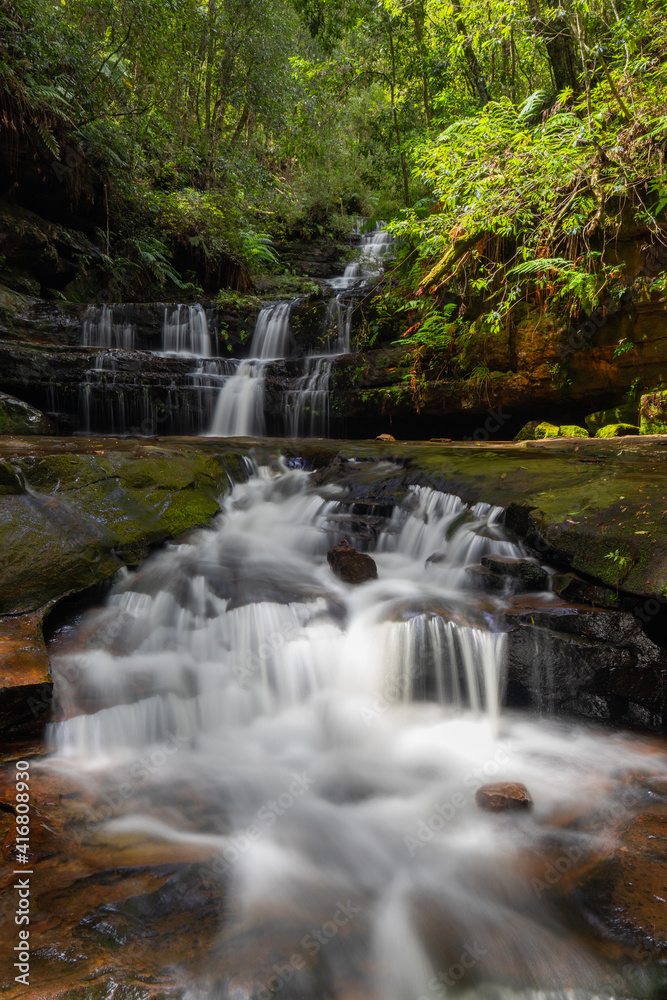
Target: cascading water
(185,331)
(320,746)
(240,408)
(100,329)
(127,392)
(306,405)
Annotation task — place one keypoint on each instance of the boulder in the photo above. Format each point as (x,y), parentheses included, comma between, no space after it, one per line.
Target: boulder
(385,437)
(527,432)
(546,430)
(653,413)
(572,431)
(17,417)
(351,566)
(616,430)
(25,679)
(529,575)
(627,413)
(500,796)
(586,662)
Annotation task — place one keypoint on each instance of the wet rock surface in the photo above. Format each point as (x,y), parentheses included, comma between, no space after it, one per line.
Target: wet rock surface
(25,676)
(591,663)
(17,417)
(351,566)
(503,796)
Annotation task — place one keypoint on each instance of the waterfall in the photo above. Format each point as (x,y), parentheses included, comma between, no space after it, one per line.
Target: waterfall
(101,330)
(307,404)
(239,410)
(317,747)
(273,334)
(185,331)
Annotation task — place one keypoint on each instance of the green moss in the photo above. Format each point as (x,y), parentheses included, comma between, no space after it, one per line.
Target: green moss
(17,417)
(527,432)
(653,413)
(627,413)
(616,430)
(90,514)
(546,430)
(572,431)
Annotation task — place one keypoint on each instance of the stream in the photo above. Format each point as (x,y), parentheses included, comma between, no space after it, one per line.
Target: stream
(309,751)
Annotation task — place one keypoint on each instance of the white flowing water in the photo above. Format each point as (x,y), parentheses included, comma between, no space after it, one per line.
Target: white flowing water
(101,330)
(185,331)
(324,746)
(239,411)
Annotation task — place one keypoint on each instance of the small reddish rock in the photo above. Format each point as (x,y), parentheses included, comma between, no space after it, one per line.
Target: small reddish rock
(349,565)
(501,795)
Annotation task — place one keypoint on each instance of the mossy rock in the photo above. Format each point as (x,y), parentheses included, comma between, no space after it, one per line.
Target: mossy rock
(527,432)
(546,430)
(17,417)
(617,430)
(653,413)
(572,431)
(68,521)
(626,413)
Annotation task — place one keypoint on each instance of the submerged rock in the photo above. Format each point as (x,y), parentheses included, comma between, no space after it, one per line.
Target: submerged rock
(527,573)
(351,566)
(499,796)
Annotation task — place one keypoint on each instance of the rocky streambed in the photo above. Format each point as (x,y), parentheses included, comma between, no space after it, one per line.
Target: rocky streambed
(580,602)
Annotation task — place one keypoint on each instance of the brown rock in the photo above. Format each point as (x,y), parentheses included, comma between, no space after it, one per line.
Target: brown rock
(385,437)
(350,565)
(440,440)
(501,795)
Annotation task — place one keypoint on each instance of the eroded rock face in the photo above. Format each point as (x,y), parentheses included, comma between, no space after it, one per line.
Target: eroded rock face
(351,566)
(500,796)
(25,679)
(591,663)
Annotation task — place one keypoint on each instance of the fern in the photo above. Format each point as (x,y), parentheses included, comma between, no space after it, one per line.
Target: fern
(538,265)
(49,140)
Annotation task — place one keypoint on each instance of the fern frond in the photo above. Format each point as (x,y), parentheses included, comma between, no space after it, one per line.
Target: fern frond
(540,264)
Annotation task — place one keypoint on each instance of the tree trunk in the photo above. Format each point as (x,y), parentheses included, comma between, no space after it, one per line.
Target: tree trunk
(556,33)
(471,59)
(418,21)
(404,166)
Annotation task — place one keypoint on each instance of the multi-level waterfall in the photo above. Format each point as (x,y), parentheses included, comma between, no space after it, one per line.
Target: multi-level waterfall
(127,390)
(317,748)
(240,408)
